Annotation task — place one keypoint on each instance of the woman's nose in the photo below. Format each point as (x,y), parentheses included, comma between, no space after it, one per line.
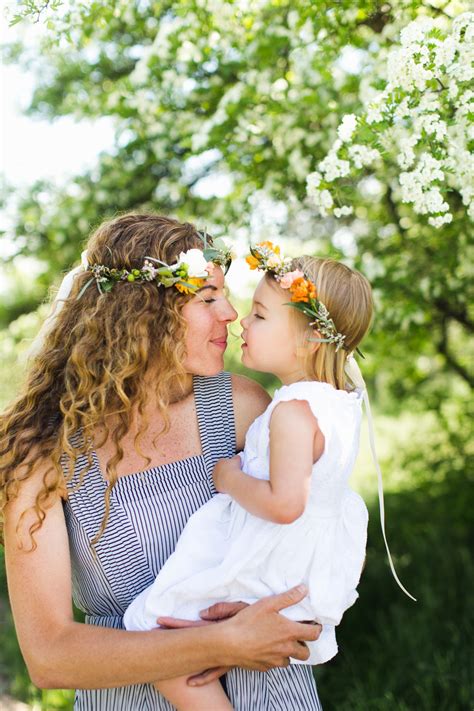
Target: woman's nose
(228,312)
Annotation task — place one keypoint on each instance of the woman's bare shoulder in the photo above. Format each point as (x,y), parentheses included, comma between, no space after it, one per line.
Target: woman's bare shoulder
(248,392)
(250,400)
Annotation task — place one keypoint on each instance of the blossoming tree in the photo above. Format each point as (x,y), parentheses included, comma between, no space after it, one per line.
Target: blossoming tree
(353,123)
(348,128)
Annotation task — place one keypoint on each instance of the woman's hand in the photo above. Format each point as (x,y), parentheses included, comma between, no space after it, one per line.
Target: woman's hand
(258,634)
(264,639)
(223,471)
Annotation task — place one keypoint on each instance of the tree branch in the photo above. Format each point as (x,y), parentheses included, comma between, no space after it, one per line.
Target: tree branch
(40,10)
(456,312)
(443,348)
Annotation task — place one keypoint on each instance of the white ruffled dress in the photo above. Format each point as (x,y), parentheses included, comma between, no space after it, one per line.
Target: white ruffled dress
(226,554)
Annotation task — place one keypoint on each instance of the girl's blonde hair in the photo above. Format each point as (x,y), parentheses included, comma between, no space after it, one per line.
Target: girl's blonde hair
(93,363)
(347,295)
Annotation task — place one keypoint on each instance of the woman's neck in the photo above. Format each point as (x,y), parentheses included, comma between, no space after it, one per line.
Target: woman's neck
(178,389)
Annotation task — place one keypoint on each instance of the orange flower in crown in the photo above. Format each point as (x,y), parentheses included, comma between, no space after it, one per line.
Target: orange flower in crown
(302,290)
(253,262)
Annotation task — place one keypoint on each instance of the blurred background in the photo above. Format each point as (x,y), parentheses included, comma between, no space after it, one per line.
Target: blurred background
(215,112)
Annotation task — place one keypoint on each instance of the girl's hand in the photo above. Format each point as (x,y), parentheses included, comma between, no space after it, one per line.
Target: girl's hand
(223,471)
(216,613)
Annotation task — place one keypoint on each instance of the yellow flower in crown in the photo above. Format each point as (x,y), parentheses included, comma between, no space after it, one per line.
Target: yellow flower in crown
(253,262)
(194,284)
(269,245)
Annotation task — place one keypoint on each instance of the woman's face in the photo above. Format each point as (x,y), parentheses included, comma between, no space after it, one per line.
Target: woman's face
(208,314)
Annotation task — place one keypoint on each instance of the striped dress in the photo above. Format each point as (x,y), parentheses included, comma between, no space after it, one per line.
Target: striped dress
(148,511)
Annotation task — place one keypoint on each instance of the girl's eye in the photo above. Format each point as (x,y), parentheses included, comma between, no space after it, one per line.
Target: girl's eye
(260,317)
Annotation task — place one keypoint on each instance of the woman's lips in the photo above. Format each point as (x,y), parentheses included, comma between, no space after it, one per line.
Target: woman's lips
(220,343)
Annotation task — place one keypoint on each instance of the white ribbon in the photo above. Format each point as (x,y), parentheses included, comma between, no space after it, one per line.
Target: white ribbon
(352,370)
(58,303)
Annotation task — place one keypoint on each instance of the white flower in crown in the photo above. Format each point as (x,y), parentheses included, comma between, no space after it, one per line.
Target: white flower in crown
(274,261)
(195,261)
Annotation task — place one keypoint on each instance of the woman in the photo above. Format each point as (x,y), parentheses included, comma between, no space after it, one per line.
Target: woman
(106,454)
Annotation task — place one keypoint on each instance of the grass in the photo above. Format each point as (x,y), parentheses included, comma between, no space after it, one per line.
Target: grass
(395,655)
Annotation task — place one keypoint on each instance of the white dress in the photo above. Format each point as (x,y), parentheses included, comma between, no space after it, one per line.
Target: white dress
(226,554)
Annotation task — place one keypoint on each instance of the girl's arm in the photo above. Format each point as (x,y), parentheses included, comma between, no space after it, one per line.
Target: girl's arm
(62,653)
(293,433)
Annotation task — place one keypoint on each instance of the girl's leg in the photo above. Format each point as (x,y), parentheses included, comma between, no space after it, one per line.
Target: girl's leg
(210,697)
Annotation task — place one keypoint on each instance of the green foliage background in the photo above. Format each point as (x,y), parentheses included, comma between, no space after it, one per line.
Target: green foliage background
(254,92)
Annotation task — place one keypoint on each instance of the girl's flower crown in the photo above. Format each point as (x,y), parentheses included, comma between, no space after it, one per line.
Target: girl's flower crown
(266,257)
(188,274)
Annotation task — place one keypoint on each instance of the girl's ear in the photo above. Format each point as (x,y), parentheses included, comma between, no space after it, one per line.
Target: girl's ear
(314,340)
(311,344)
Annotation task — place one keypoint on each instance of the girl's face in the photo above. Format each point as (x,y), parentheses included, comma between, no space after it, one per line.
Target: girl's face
(208,314)
(270,335)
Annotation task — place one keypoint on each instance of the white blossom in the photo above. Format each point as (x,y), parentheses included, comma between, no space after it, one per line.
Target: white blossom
(422,117)
(313,180)
(343,210)
(321,199)
(362,155)
(347,127)
(374,112)
(334,167)
(440,220)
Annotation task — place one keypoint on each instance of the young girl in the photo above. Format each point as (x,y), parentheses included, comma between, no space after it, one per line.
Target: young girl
(285,513)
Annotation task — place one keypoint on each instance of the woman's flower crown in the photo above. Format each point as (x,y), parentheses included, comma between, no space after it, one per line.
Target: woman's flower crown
(188,274)
(266,257)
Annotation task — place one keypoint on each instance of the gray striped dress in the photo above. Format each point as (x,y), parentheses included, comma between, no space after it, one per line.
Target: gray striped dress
(149,509)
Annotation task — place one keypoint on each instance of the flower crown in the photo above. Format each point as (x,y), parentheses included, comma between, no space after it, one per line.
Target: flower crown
(188,274)
(266,257)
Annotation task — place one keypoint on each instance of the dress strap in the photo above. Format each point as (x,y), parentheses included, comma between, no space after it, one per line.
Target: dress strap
(215,413)
(86,501)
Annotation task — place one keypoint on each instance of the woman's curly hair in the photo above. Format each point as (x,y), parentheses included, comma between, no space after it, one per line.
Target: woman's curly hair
(93,363)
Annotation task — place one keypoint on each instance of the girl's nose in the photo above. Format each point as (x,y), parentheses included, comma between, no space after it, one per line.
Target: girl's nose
(243,322)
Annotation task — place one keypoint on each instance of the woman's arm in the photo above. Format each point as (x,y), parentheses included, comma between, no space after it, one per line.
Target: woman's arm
(62,653)
(282,499)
